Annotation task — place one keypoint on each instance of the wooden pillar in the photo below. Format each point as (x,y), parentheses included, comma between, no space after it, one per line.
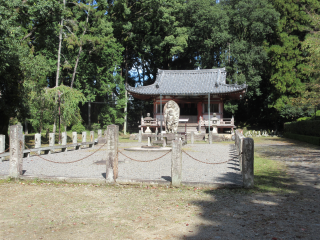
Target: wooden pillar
(199,108)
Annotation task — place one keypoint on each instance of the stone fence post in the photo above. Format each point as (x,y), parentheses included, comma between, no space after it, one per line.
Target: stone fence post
(112,153)
(37,141)
(192,138)
(140,136)
(64,138)
(16,151)
(51,139)
(2,143)
(176,163)
(99,133)
(74,137)
(84,138)
(248,162)
(91,136)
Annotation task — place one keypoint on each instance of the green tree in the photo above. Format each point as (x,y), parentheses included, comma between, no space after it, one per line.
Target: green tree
(43,105)
(288,64)
(19,64)
(311,44)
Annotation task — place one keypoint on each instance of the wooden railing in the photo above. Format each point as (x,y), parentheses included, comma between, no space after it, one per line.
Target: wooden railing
(204,122)
(224,121)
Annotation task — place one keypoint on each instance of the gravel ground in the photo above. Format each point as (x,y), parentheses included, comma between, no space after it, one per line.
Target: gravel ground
(159,170)
(183,213)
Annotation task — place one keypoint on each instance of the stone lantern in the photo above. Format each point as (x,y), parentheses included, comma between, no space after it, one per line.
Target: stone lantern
(147,121)
(214,123)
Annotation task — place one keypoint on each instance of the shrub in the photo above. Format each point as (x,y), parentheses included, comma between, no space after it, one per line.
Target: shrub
(79,128)
(308,127)
(303,138)
(304,119)
(95,127)
(49,128)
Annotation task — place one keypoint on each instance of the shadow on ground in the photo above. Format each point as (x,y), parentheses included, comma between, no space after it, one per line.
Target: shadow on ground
(279,207)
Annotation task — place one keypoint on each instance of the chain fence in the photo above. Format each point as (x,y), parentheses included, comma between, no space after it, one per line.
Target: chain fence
(38,155)
(136,160)
(5,150)
(203,161)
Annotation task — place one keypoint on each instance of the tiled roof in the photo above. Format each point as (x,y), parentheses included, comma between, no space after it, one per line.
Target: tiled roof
(189,82)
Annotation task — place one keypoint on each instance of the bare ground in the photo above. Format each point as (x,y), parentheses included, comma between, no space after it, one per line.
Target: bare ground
(72,211)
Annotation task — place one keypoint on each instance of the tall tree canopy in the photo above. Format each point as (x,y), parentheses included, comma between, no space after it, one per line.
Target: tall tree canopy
(94,46)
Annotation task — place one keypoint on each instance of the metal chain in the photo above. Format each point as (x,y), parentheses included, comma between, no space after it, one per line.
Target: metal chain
(66,162)
(5,150)
(203,161)
(144,161)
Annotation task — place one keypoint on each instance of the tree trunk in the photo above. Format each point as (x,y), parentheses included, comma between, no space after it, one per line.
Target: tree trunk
(126,95)
(76,66)
(58,67)
(80,50)
(59,49)
(59,53)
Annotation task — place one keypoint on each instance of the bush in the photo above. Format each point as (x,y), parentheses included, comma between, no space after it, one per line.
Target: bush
(304,119)
(79,128)
(308,127)
(303,138)
(49,127)
(95,127)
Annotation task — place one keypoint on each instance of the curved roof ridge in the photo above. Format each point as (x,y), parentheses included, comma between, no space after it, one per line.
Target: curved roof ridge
(188,82)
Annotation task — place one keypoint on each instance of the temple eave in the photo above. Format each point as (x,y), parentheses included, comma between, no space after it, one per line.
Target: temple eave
(231,95)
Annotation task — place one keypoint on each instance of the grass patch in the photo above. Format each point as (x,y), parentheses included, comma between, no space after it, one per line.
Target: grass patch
(271,176)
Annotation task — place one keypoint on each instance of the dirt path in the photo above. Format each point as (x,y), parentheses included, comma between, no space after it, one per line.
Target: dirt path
(66,211)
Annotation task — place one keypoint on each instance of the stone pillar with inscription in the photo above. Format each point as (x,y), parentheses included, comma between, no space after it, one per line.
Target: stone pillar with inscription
(16,151)
(176,163)
(248,162)
(112,153)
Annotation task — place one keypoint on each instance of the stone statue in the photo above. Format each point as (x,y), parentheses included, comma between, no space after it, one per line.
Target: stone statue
(171,113)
